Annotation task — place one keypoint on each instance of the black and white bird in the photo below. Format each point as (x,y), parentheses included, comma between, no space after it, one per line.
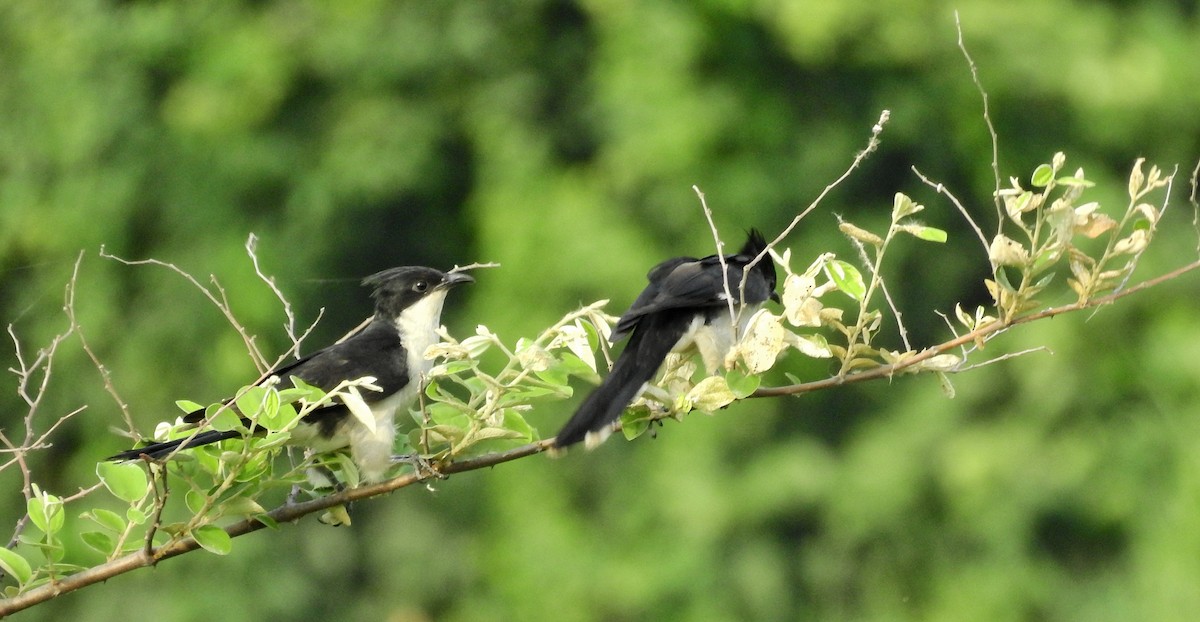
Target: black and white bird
(391,349)
(684,307)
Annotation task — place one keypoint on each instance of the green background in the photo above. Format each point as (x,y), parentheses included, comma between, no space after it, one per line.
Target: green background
(562,139)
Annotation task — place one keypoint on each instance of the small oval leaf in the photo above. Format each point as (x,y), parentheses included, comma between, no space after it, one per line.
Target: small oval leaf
(14,565)
(126,481)
(1042,175)
(99,540)
(213,539)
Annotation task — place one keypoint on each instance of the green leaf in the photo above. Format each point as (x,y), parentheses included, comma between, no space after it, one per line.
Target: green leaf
(632,428)
(45,510)
(1075,182)
(456,367)
(742,384)
(243,506)
(515,422)
(224,420)
(188,406)
(529,395)
(136,516)
(278,418)
(125,481)
(250,402)
(99,540)
(1042,175)
(195,500)
(106,519)
(14,565)
(310,393)
(847,278)
(930,234)
(213,539)
(272,439)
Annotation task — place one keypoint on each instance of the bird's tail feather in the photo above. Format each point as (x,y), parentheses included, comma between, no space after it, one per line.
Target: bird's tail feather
(636,365)
(162,450)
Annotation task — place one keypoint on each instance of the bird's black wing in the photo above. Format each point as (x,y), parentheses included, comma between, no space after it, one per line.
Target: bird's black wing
(656,334)
(374,351)
(679,289)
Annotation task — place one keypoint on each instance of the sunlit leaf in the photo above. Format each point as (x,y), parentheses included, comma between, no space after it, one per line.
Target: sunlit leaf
(765,338)
(1042,176)
(124,480)
(250,402)
(710,394)
(188,406)
(847,278)
(812,346)
(45,510)
(224,420)
(930,234)
(14,565)
(903,206)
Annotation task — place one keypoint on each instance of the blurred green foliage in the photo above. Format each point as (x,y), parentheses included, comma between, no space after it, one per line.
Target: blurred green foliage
(561,139)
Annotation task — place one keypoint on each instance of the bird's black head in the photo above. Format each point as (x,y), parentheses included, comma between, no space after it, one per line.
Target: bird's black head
(755,244)
(397,289)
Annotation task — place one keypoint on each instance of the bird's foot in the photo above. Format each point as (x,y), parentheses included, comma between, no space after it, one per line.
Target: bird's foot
(423,467)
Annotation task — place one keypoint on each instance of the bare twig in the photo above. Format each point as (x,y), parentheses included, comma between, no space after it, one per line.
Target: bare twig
(872,145)
(33,379)
(475,266)
(1195,182)
(721,258)
(290,325)
(887,295)
(987,119)
(1003,357)
(220,303)
(941,189)
(105,373)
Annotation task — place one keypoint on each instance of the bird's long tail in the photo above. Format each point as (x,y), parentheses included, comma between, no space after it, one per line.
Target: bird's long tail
(162,450)
(652,340)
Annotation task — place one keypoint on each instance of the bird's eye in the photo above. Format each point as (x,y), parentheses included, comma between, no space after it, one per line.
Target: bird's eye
(420,286)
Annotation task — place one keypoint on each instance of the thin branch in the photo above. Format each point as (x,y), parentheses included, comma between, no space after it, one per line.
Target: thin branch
(290,325)
(721,258)
(941,189)
(887,295)
(286,513)
(221,304)
(1195,182)
(105,373)
(982,333)
(1003,357)
(872,145)
(987,119)
(295,511)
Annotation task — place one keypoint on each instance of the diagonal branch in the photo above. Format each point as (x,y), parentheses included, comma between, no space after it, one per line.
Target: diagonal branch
(984,332)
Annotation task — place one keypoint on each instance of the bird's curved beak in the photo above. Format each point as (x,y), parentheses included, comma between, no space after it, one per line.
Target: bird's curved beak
(454,279)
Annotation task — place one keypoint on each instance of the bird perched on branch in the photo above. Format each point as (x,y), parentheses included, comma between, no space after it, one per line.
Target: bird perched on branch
(390,349)
(686,305)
